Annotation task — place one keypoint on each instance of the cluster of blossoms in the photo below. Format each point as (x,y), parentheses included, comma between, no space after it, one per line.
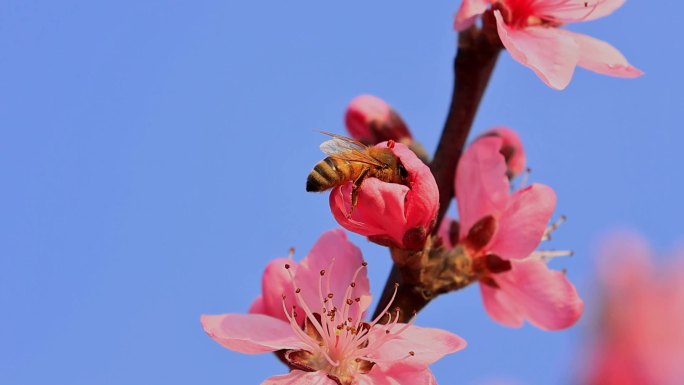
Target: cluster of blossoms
(312,314)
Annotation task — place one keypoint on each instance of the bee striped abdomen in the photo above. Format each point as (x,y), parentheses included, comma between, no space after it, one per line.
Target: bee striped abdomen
(327,173)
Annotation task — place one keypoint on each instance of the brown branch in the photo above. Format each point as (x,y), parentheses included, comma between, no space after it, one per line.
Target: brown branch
(478,50)
(473,67)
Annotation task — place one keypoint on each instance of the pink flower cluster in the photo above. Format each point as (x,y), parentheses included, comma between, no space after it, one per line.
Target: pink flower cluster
(529,31)
(640,335)
(500,230)
(313,312)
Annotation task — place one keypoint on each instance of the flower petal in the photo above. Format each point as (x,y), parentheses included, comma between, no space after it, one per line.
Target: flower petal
(258,306)
(427,344)
(551,54)
(251,333)
(481,185)
(522,225)
(334,245)
(379,211)
(275,283)
(501,306)
(532,291)
(469,11)
(598,56)
(577,10)
(298,377)
(398,374)
(511,149)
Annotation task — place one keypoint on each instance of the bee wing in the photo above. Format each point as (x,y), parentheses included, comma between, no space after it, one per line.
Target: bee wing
(344,148)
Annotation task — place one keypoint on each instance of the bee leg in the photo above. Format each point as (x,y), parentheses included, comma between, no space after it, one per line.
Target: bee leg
(355,190)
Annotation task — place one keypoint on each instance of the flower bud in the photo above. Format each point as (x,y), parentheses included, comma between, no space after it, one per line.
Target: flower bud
(371,120)
(391,214)
(511,149)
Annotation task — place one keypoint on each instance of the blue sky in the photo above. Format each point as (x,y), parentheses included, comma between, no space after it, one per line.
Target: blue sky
(153,158)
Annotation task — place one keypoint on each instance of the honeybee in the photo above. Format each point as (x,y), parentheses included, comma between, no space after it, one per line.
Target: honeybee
(350,160)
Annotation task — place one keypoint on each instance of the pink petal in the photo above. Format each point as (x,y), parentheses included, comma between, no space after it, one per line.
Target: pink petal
(532,291)
(551,54)
(522,224)
(598,56)
(380,208)
(577,10)
(298,377)
(469,11)
(428,344)
(398,374)
(334,245)
(258,306)
(511,148)
(251,333)
(501,306)
(275,283)
(481,185)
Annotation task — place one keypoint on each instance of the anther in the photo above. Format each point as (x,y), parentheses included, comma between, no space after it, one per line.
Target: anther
(353,284)
(349,301)
(287,265)
(330,295)
(357,299)
(298,290)
(396,285)
(322,273)
(364,264)
(390,144)
(412,353)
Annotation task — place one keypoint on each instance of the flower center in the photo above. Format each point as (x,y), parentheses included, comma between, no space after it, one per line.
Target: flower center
(339,344)
(526,13)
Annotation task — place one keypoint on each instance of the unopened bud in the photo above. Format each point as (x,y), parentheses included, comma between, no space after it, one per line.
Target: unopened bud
(371,120)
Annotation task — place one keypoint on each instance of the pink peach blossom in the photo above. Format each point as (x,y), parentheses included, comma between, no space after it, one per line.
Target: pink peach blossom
(529,31)
(371,120)
(500,232)
(319,329)
(392,214)
(639,338)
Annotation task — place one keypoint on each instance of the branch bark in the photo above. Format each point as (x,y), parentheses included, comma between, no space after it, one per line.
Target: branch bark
(478,50)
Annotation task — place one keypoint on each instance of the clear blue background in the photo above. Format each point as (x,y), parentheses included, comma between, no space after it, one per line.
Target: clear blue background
(153,157)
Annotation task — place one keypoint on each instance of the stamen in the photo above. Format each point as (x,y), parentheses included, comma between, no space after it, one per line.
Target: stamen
(551,228)
(298,331)
(389,303)
(547,255)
